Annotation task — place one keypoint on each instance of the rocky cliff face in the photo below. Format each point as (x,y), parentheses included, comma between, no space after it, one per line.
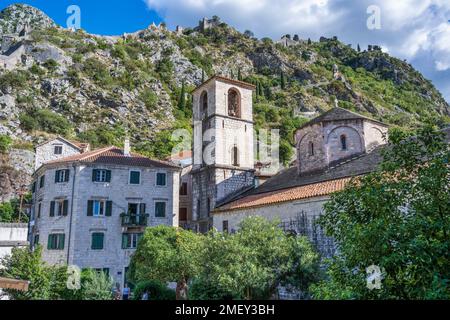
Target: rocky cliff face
(98,89)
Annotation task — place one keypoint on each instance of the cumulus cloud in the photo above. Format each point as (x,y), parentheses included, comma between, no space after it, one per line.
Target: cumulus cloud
(411,29)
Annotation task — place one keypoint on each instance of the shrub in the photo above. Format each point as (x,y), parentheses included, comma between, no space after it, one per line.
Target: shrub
(156,291)
(149,98)
(5,143)
(45,120)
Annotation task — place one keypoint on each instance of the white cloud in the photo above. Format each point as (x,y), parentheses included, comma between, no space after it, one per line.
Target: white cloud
(410,29)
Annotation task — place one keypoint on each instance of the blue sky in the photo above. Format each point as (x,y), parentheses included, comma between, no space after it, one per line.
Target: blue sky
(415,30)
(106,17)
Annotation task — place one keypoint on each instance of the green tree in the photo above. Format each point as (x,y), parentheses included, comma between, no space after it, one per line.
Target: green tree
(239,76)
(182,98)
(168,254)
(254,261)
(396,218)
(24,264)
(358,48)
(282,81)
(97,285)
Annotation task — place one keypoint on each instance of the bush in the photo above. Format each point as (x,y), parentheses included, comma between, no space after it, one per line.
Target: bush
(149,98)
(5,143)
(156,291)
(45,120)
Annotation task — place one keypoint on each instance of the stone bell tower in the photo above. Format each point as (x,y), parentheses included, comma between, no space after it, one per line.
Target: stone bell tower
(223,145)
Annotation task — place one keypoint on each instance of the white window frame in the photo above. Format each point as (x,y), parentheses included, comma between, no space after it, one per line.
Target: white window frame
(100,175)
(98,208)
(61,176)
(134,240)
(59,207)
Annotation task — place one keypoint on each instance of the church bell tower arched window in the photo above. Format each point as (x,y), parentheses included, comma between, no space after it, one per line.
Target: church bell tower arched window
(234,103)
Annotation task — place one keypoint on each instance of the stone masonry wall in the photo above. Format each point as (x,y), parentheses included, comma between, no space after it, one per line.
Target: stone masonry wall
(120,193)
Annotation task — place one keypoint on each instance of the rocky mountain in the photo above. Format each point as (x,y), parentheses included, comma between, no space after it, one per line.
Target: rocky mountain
(98,89)
(14,18)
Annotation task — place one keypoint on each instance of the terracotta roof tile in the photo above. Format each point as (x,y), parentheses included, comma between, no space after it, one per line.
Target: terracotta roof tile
(113,155)
(296,193)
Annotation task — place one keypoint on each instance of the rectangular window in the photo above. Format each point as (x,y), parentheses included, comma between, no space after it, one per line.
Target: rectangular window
(130,240)
(33,187)
(160,179)
(56,241)
(184,189)
(58,150)
(42,182)
(62,176)
(183,214)
(97,241)
(225,226)
(135,177)
(36,240)
(59,207)
(39,209)
(98,208)
(101,175)
(160,209)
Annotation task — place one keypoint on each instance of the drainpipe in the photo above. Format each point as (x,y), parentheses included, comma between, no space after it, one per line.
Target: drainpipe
(74,166)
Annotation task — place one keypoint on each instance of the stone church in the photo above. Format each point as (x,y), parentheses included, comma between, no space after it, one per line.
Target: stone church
(331,149)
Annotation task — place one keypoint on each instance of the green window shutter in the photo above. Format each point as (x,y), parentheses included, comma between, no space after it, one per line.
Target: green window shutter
(49,242)
(135,177)
(67,177)
(65,207)
(108,211)
(124,240)
(108,175)
(97,241)
(161,179)
(57,176)
(160,209)
(142,208)
(90,208)
(94,175)
(61,241)
(52,208)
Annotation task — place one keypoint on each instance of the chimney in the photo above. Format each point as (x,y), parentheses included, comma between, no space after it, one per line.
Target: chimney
(126,147)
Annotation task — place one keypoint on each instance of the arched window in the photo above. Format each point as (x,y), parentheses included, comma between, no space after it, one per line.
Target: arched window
(204,102)
(235,156)
(343,142)
(234,103)
(311,149)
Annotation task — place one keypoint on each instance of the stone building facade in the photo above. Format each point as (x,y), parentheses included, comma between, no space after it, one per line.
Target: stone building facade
(334,136)
(57,148)
(331,149)
(91,209)
(223,144)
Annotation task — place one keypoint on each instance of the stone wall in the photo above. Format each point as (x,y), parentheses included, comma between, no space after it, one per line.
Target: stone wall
(46,152)
(294,216)
(12,235)
(16,168)
(120,192)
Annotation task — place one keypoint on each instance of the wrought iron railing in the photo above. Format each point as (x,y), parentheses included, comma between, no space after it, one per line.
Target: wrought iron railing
(134,220)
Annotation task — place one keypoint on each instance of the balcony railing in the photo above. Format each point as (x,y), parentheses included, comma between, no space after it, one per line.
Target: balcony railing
(134,220)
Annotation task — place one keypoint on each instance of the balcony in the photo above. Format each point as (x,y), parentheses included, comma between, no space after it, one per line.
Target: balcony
(134,220)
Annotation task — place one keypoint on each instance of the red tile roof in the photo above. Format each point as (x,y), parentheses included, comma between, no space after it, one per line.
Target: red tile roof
(113,155)
(284,195)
